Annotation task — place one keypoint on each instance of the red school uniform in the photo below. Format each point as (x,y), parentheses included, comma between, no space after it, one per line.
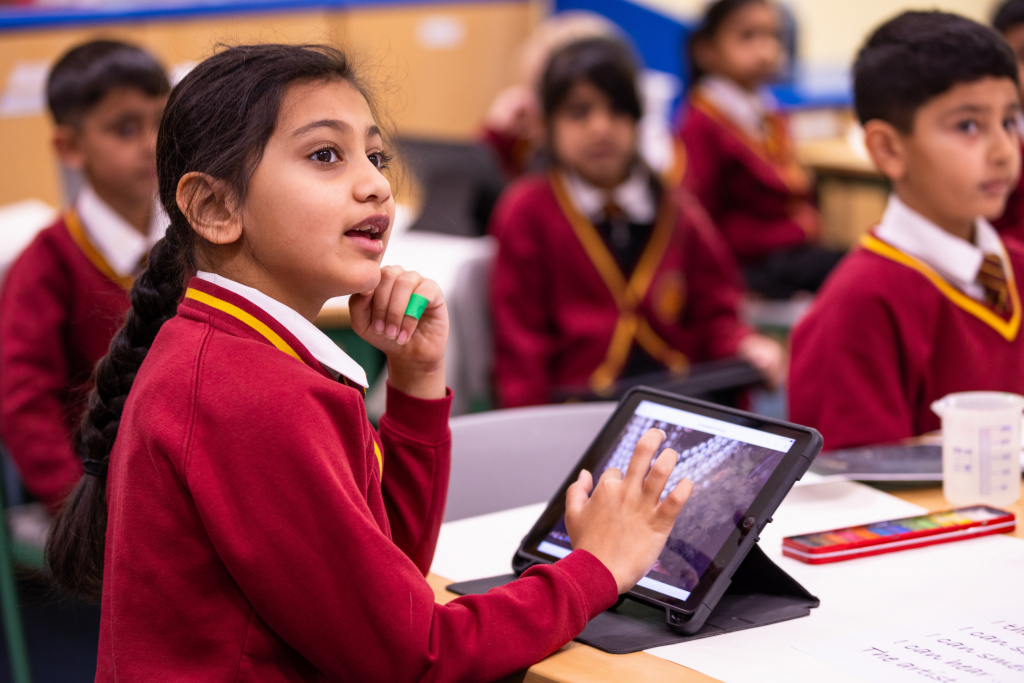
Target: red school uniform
(564,313)
(754,190)
(260,529)
(61,305)
(886,336)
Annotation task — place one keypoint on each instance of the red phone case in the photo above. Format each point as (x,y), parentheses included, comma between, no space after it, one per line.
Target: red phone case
(836,545)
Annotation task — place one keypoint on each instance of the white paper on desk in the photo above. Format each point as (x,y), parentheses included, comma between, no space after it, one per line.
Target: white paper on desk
(482,546)
(857,596)
(959,648)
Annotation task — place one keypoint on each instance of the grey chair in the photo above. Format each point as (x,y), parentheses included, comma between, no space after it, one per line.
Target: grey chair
(509,458)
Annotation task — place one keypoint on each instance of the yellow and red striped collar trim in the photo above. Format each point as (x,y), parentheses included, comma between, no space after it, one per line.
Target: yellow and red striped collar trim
(252,321)
(1008,329)
(271,336)
(81,239)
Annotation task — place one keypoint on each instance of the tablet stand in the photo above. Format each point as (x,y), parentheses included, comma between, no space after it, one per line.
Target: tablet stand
(761,593)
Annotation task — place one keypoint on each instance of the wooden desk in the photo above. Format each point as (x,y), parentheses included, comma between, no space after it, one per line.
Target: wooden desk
(578,662)
(852,194)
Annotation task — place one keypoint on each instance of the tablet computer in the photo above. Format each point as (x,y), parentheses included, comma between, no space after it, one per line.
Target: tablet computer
(741,465)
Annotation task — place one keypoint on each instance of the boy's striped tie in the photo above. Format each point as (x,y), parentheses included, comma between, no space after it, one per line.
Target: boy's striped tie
(992,278)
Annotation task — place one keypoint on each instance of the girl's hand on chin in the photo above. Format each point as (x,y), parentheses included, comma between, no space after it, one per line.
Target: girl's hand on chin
(415,348)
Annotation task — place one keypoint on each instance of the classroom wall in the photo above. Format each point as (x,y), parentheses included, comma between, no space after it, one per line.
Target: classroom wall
(435,66)
(831,31)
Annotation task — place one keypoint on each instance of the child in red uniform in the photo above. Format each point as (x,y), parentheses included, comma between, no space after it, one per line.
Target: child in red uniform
(255,525)
(602,273)
(739,157)
(1009,20)
(928,304)
(66,295)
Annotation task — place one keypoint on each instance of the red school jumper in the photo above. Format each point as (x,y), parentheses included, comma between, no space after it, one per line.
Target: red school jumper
(60,307)
(754,191)
(261,530)
(564,313)
(886,336)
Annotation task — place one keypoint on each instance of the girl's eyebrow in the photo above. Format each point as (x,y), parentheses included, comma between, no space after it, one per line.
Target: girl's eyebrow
(334,124)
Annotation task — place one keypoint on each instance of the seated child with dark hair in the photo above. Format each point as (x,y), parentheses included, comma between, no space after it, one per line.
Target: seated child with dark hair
(1009,21)
(602,273)
(739,161)
(928,304)
(66,295)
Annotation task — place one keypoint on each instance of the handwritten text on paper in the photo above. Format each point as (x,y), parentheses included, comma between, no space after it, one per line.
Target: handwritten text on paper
(985,648)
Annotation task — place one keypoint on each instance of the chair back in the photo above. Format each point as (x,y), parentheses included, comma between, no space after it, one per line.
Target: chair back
(508,458)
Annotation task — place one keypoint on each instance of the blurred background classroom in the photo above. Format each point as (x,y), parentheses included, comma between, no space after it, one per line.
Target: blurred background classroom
(436,68)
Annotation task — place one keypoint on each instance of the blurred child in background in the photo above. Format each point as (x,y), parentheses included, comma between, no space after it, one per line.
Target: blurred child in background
(739,157)
(514,125)
(66,295)
(602,273)
(1009,21)
(928,304)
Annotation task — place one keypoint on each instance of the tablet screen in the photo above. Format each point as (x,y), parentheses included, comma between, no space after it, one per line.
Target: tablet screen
(730,457)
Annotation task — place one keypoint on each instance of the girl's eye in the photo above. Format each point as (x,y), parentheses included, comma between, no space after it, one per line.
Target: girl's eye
(379,159)
(325,156)
(969,126)
(1012,124)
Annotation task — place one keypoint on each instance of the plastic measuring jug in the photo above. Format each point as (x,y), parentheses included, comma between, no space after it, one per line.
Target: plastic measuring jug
(980,447)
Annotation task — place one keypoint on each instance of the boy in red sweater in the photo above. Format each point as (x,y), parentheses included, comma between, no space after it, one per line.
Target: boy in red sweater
(66,295)
(928,304)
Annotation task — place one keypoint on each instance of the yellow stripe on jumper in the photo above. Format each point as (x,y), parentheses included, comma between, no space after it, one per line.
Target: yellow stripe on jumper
(236,312)
(1006,328)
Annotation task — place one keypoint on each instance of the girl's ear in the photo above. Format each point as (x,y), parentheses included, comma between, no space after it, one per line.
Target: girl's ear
(886,147)
(66,144)
(210,207)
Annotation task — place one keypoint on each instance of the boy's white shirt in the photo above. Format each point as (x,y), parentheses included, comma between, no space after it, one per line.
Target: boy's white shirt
(316,342)
(956,260)
(121,245)
(633,196)
(744,108)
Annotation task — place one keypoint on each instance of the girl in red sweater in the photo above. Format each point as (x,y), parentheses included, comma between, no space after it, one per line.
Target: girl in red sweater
(739,155)
(239,512)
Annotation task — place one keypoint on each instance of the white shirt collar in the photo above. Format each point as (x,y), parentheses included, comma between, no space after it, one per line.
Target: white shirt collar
(955,259)
(633,196)
(316,342)
(121,246)
(744,108)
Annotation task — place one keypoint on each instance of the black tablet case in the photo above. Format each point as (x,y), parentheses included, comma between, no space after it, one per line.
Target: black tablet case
(760,593)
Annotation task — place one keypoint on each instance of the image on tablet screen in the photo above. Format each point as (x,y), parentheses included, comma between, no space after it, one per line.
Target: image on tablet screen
(728,465)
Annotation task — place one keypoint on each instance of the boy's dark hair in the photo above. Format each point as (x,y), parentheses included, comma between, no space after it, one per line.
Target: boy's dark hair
(217,121)
(1008,15)
(605,63)
(919,55)
(714,16)
(87,73)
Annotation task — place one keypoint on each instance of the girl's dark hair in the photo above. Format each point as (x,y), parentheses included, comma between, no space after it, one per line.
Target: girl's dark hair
(85,74)
(606,63)
(217,121)
(714,16)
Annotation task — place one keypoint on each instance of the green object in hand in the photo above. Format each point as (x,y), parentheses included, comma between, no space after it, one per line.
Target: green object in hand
(417,304)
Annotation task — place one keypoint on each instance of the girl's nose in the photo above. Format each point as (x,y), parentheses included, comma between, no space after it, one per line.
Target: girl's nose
(371,185)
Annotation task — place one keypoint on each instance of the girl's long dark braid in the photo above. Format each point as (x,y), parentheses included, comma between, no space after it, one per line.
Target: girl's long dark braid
(75,548)
(217,122)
